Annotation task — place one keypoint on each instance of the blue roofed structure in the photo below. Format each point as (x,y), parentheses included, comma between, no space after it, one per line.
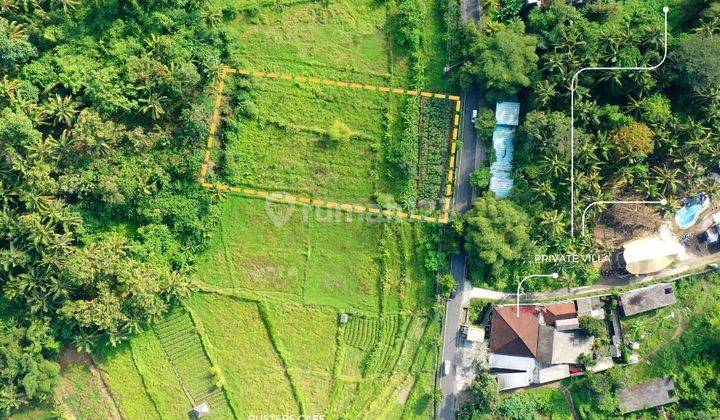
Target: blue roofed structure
(507,113)
(507,117)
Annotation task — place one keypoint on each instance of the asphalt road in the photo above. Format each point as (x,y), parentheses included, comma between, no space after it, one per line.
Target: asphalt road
(471,154)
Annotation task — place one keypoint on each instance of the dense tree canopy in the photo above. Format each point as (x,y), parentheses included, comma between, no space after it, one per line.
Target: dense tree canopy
(102,126)
(497,233)
(502,62)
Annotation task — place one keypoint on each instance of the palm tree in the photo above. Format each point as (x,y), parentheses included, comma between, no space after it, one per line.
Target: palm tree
(60,109)
(554,221)
(544,190)
(212,16)
(153,105)
(668,179)
(14,29)
(67,4)
(8,87)
(708,28)
(42,149)
(653,37)
(555,165)
(544,93)
(8,6)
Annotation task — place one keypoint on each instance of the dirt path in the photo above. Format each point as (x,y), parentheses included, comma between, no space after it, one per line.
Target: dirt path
(568,398)
(67,388)
(681,326)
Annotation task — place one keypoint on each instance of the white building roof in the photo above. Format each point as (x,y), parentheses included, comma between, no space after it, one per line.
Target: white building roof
(552,373)
(474,333)
(567,324)
(650,254)
(513,380)
(502,361)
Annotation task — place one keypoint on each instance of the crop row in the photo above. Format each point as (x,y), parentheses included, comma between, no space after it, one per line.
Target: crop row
(384,354)
(361,332)
(184,348)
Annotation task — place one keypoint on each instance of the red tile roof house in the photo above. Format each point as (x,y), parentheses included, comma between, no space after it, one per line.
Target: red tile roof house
(533,347)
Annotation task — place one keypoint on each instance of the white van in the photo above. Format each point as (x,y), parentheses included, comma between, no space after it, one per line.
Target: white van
(474,116)
(446,368)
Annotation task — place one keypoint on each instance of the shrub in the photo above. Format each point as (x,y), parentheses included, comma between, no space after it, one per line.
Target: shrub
(634,140)
(593,326)
(485,123)
(446,285)
(338,133)
(480,179)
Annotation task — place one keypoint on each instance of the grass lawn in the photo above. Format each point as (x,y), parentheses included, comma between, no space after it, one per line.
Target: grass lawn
(663,328)
(339,40)
(81,391)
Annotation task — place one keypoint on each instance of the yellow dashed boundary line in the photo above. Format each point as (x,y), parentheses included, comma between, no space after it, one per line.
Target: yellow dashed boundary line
(350,208)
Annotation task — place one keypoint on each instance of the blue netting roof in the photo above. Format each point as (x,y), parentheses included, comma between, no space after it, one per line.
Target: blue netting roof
(507,113)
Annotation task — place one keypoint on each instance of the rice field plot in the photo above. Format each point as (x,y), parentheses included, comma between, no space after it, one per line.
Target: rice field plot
(242,349)
(342,265)
(184,349)
(289,148)
(388,344)
(252,252)
(338,39)
(308,338)
(125,381)
(158,376)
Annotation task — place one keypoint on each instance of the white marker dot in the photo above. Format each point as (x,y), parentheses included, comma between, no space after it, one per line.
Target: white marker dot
(555,275)
(666,9)
(663,201)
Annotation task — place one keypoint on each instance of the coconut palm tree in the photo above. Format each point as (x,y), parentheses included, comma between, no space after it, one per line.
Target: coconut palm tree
(554,221)
(8,6)
(67,5)
(42,149)
(544,191)
(544,93)
(8,87)
(708,28)
(61,109)
(667,179)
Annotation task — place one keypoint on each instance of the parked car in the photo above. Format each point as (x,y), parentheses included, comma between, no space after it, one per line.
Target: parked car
(446,368)
(474,116)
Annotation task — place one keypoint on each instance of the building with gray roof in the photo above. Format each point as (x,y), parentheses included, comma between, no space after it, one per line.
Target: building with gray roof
(647,395)
(647,298)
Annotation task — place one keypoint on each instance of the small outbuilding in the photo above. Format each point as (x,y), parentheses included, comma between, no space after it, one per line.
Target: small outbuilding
(344,318)
(201,410)
(474,334)
(647,299)
(647,395)
(513,380)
